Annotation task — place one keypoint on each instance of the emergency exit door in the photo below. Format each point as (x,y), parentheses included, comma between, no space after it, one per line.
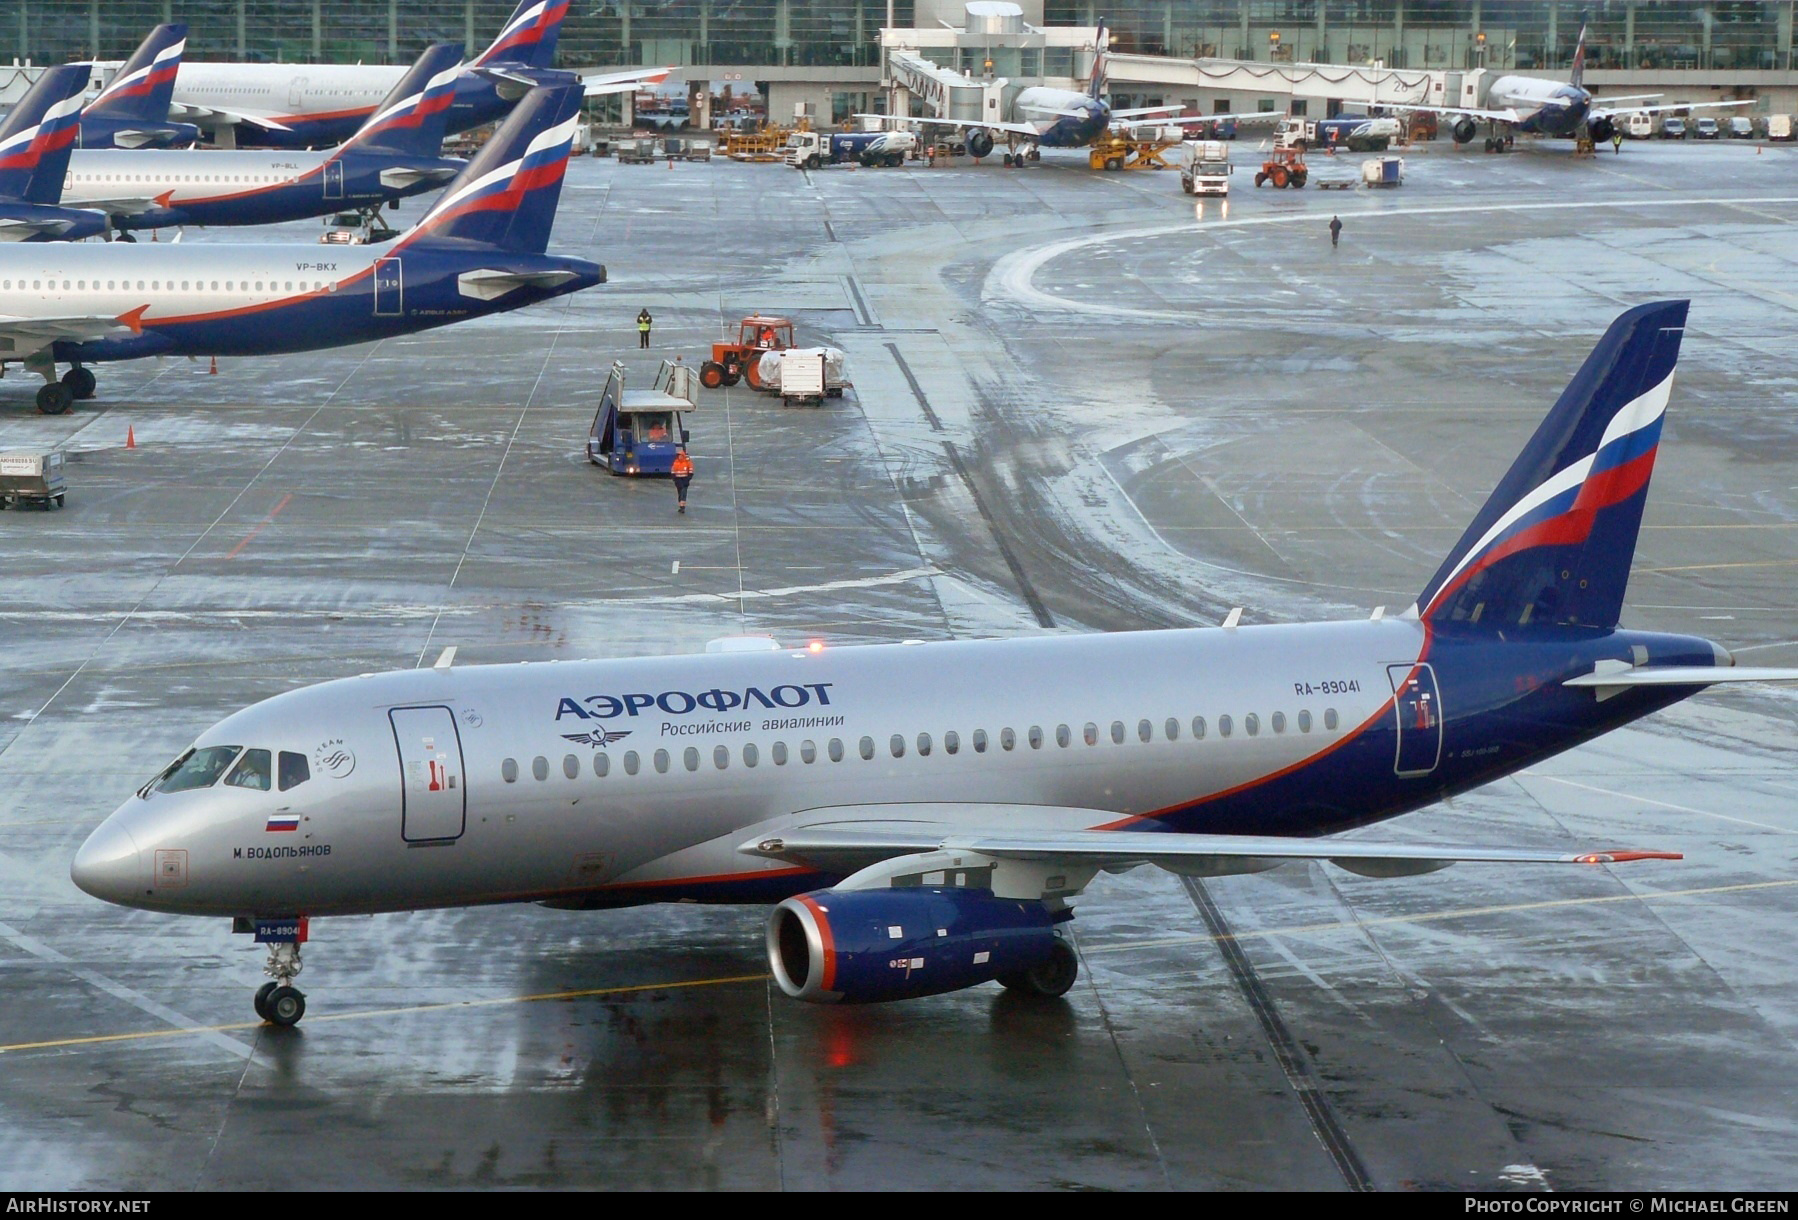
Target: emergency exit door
(333,180)
(390,288)
(433,798)
(1418,705)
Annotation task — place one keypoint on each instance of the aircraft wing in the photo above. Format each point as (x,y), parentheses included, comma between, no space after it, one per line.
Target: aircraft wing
(1253,116)
(516,82)
(595,84)
(218,116)
(1491,116)
(21,337)
(848,839)
(1021,129)
(123,205)
(1614,110)
(1142,110)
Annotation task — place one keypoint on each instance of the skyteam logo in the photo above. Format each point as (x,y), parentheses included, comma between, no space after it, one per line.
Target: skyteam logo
(1560,512)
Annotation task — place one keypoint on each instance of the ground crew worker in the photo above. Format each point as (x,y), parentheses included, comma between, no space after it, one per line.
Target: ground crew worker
(1335,231)
(1617,140)
(644,322)
(682,471)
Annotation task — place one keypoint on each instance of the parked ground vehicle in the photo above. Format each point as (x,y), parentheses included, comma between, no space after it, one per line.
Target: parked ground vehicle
(1283,167)
(1780,127)
(812,149)
(1741,127)
(1673,128)
(1705,128)
(1639,126)
(32,477)
(1355,132)
(731,362)
(638,432)
(1207,169)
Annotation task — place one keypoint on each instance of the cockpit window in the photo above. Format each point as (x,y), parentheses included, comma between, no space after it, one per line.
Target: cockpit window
(196,769)
(293,769)
(251,771)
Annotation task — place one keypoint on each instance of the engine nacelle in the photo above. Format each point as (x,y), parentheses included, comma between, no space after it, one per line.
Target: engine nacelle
(1601,129)
(1464,130)
(980,143)
(864,946)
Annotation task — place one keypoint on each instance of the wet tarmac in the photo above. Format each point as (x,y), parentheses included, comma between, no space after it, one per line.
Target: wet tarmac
(1081,401)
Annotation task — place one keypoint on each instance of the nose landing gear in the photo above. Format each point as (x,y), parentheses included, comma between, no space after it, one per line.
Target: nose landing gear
(280,1002)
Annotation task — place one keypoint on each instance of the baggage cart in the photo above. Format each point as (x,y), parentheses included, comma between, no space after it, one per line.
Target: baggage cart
(32,478)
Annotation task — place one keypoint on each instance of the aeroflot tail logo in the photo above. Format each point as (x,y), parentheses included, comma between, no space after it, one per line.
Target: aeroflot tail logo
(680,702)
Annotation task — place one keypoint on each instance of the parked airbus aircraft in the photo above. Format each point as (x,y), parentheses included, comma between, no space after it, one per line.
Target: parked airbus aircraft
(925,816)
(35,141)
(1043,117)
(397,153)
(317,105)
(479,250)
(1542,106)
(133,110)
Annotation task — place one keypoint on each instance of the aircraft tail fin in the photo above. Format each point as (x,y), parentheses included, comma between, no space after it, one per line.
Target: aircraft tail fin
(37,137)
(1553,544)
(529,35)
(1578,76)
(141,90)
(412,117)
(507,195)
(1095,85)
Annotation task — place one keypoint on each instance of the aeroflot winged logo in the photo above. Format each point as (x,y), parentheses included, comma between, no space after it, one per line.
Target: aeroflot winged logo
(598,737)
(680,702)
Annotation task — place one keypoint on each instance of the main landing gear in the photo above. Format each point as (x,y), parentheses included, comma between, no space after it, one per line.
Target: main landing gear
(1053,978)
(280,1002)
(55,396)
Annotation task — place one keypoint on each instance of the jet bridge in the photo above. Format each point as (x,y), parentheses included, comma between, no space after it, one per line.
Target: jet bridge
(941,92)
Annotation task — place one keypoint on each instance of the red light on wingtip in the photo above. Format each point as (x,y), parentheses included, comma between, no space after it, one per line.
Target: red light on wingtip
(815,646)
(1624,857)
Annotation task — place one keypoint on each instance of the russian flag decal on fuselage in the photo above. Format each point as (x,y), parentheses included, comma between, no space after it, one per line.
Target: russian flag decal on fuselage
(283,822)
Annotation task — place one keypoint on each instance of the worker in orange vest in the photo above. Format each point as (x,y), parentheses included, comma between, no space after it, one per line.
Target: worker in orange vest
(682,471)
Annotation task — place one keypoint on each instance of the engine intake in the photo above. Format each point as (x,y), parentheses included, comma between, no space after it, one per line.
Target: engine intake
(866,946)
(1464,130)
(980,143)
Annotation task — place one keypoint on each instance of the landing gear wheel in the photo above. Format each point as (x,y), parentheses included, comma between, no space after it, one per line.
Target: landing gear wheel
(1035,154)
(261,1001)
(1053,978)
(711,374)
(131,237)
(286,1005)
(80,381)
(1007,160)
(55,398)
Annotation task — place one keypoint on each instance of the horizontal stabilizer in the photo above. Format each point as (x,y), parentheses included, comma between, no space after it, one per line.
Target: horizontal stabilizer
(490,285)
(399,178)
(13,228)
(1684,675)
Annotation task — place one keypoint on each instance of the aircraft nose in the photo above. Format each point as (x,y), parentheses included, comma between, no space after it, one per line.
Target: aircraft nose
(110,864)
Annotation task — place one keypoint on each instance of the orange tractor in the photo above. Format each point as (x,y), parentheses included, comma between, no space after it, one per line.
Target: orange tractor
(1284,167)
(732,362)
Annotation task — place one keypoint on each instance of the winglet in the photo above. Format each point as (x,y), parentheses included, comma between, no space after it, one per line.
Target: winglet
(134,319)
(162,200)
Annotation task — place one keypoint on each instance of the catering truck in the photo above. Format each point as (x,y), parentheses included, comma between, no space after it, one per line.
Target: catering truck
(1207,170)
(1355,132)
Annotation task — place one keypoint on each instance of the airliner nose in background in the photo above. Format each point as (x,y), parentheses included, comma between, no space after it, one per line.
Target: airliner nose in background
(924,817)
(480,249)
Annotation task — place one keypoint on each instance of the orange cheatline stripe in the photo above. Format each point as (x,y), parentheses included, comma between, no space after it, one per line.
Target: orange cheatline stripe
(363,1014)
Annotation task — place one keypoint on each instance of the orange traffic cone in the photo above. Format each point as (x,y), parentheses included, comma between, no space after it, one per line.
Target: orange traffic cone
(215,366)
(130,437)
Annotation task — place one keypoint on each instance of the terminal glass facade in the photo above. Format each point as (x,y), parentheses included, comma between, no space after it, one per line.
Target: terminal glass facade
(1521,34)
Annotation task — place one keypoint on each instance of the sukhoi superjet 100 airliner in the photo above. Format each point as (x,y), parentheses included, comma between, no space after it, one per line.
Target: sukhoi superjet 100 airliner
(925,816)
(480,249)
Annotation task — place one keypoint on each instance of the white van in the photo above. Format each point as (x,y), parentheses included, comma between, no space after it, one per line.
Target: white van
(1779,127)
(1638,126)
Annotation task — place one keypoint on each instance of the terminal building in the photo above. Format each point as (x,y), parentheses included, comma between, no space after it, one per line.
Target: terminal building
(827,54)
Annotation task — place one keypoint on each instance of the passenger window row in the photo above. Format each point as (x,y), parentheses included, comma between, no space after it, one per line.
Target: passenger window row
(692,758)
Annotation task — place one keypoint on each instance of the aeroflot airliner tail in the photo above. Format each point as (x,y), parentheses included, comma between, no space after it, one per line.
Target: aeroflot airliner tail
(925,816)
